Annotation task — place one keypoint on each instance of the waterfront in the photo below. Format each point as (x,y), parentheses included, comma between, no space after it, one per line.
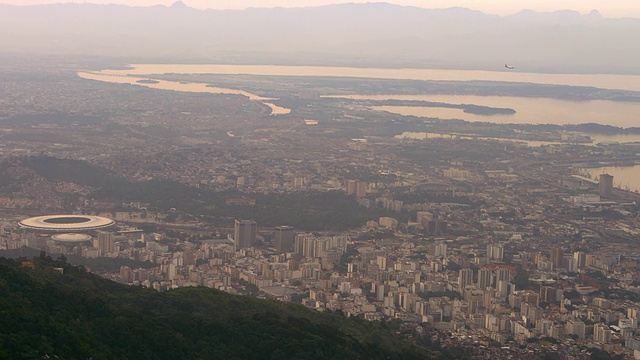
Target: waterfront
(624,177)
(182,86)
(407,135)
(528,110)
(596,139)
(604,81)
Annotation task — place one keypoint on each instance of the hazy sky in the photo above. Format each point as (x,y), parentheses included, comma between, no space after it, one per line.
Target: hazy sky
(609,8)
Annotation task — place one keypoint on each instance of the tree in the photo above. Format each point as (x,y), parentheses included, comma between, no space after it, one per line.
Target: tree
(521,280)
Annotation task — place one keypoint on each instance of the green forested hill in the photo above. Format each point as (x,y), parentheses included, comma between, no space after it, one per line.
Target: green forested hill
(75,315)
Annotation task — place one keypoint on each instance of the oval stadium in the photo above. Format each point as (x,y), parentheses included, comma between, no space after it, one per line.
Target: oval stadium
(71,238)
(66,223)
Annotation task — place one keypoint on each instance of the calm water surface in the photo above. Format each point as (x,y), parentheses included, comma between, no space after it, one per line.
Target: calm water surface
(182,86)
(624,177)
(528,110)
(605,81)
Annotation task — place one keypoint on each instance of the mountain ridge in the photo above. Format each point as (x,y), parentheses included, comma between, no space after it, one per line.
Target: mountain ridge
(381,34)
(180,5)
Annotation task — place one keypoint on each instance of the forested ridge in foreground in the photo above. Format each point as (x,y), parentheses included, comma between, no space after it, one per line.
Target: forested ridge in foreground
(56,310)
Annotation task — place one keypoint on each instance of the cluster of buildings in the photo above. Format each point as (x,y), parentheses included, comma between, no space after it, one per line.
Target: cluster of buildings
(486,242)
(454,285)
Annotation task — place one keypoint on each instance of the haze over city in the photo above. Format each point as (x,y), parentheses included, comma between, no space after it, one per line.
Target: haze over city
(347,34)
(320,180)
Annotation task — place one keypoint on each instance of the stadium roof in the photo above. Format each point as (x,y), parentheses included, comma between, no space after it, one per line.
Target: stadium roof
(66,223)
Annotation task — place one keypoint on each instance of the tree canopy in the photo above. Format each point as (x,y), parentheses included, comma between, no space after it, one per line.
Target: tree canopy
(56,309)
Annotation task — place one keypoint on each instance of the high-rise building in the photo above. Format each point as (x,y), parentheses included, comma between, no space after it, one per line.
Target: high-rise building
(126,273)
(602,333)
(495,252)
(440,250)
(465,278)
(308,245)
(576,327)
(524,297)
(357,188)
(605,186)
(484,278)
(188,257)
(557,257)
(547,294)
(245,233)
(284,239)
(106,242)
(580,259)
(503,274)
(298,182)
(505,288)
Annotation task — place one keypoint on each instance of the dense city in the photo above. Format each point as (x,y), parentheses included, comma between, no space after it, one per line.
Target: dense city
(493,246)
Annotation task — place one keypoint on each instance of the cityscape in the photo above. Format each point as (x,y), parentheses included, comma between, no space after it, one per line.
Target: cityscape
(479,239)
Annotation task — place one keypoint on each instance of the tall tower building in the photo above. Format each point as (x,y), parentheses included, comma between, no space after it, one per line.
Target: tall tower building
(359,188)
(576,327)
(465,277)
(580,259)
(308,245)
(440,250)
(106,242)
(284,239)
(245,233)
(503,274)
(484,278)
(605,185)
(602,333)
(303,243)
(495,252)
(557,257)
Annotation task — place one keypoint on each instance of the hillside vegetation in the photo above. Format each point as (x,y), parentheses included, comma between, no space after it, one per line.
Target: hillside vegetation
(71,314)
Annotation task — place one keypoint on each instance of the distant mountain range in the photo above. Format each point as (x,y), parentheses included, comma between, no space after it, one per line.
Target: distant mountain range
(373,34)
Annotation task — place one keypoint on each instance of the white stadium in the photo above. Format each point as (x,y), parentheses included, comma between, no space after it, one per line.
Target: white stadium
(66,223)
(71,239)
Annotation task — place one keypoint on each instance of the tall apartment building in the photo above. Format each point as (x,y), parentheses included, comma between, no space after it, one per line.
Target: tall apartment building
(440,250)
(308,245)
(465,278)
(605,186)
(284,239)
(580,258)
(602,333)
(557,257)
(484,278)
(503,274)
(495,252)
(576,327)
(245,233)
(105,242)
(357,188)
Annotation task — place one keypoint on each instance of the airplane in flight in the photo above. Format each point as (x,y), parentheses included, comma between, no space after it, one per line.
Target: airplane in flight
(509,67)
